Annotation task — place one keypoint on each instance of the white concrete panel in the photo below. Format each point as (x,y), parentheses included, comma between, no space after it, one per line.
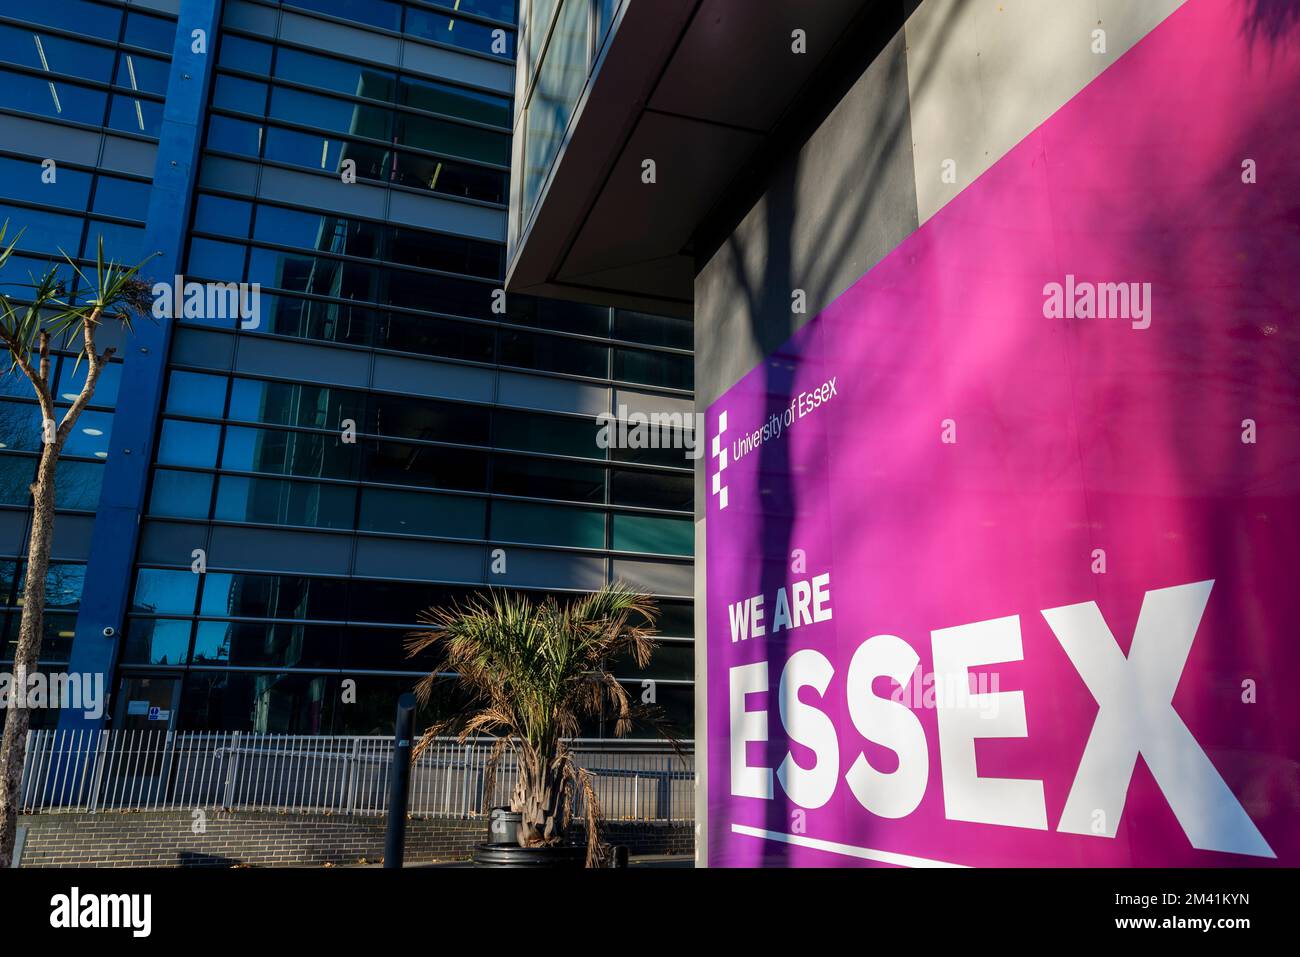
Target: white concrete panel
(447,215)
(322,192)
(648,402)
(295,359)
(128,156)
(329,37)
(983,74)
(417,57)
(61,143)
(551,395)
(672,579)
(439,380)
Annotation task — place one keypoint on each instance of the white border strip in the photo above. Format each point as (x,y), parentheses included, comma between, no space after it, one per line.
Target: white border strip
(848,850)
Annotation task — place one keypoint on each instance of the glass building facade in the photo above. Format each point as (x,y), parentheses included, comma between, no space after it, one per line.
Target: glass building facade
(390,431)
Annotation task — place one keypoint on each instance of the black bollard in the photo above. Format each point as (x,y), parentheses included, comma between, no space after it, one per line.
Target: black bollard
(399,780)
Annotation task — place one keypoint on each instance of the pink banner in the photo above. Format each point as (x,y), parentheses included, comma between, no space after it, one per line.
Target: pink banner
(1003,546)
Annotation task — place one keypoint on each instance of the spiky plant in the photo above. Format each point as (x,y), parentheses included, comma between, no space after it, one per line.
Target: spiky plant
(44,317)
(535,672)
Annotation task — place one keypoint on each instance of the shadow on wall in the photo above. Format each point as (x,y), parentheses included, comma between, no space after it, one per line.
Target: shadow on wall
(764,279)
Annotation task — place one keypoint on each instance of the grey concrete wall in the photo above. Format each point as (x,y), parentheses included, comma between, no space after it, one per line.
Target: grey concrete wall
(859,165)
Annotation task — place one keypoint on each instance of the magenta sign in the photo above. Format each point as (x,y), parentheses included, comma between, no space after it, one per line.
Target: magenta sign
(1003,548)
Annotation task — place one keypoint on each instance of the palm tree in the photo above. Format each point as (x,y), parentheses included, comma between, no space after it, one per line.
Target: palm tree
(535,672)
(47,316)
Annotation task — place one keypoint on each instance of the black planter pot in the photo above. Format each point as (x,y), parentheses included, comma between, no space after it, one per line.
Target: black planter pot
(564,856)
(503,826)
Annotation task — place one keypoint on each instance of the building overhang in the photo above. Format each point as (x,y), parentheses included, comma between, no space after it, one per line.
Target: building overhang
(696,86)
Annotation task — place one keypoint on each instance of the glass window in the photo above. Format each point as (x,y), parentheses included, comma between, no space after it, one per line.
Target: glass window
(444,136)
(660,536)
(279,502)
(272,596)
(64,101)
(287,403)
(561,316)
(457,31)
(55,54)
(417,247)
(436,97)
(152,33)
(215,260)
(311,274)
(430,421)
(281,644)
(676,618)
(133,114)
(20,422)
(291,703)
(654,330)
(310,454)
(42,231)
(539,23)
(438,337)
(226,217)
(166,592)
(241,53)
(327,73)
(314,151)
(654,368)
(16,474)
(416,513)
(192,393)
(64,583)
(326,113)
(77,485)
(653,489)
(234,136)
(503,10)
(79,16)
(672,454)
(538,432)
(188,443)
(671,660)
(604,17)
(237,93)
(138,72)
(157,641)
(21,179)
(554,354)
(127,198)
(547,525)
(392,463)
(180,494)
(90,435)
(72,377)
(460,297)
(446,176)
(122,243)
(328,321)
(334,234)
(543,478)
(562,74)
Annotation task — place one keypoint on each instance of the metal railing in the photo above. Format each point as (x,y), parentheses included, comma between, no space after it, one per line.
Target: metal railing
(136,770)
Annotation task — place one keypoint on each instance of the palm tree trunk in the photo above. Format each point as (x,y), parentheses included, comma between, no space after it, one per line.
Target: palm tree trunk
(13,746)
(539,797)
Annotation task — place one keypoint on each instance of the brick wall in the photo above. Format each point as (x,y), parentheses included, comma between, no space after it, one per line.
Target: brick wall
(167,839)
